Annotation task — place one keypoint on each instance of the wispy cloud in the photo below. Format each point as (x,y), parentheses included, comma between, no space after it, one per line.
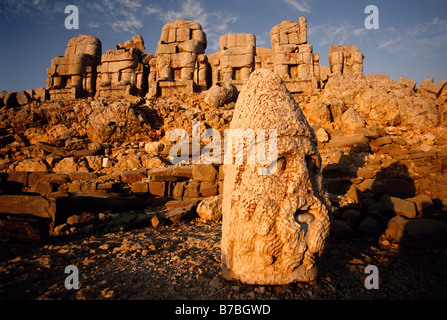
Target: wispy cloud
(129,23)
(427,38)
(33,9)
(125,15)
(421,38)
(214,23)
(340,34)
(300,5)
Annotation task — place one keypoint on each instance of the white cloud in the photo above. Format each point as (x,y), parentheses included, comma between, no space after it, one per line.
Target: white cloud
(125,15)
(300,5)
(122,15)
(151,10)
(34,9)
(422,38)
(336,34)
(93,25)
(214,23)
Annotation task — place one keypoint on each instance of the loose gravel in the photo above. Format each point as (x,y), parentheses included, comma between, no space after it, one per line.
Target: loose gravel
(183,262)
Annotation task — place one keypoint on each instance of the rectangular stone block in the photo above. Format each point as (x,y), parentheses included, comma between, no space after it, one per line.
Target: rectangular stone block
(183,34)
(274,39)
(164,35)
(183,59)
(204,172)
(240,61)
(157,188)
(232,40)
(208,188)
(172,35)
(223,43)
(200,36)
(283,38)
(132,176)
(192,191)
(31,205)
(179,203)
(190,46)
(166,49)
(140,187)
(178,190)
(400,206)
(348,141)
(293,38)
(20,177)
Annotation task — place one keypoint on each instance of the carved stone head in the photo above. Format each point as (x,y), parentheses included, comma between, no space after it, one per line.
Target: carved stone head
(275,223)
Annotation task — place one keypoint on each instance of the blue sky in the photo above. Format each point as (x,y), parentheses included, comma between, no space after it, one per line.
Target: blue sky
(411,39)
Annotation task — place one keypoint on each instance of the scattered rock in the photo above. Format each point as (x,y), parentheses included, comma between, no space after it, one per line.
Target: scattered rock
(351,120)
(210,208)
(322,135)
(398,206)
(348,141)
(220,93)
(217,282)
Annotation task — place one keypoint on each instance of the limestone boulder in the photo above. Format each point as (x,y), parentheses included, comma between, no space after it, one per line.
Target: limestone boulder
(381,101)
(351,120)
(418,233)
(275,211)
(210,208)
(220,93)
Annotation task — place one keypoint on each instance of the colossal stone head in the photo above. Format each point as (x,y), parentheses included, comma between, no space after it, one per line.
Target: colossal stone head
(273,224)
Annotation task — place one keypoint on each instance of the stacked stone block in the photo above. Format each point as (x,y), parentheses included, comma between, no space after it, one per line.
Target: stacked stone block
(345,60)
(293,58)
(237,58)
(124,71)
(74,74)
(180,62)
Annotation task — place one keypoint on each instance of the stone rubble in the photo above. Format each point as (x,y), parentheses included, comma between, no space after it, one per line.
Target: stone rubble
(88,159)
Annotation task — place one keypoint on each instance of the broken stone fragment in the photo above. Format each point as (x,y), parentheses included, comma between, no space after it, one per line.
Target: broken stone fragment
(210,208)
(220,93)
(274,225)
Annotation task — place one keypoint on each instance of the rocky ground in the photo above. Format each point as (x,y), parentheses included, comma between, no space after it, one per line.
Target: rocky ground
(384,165)
(183,262)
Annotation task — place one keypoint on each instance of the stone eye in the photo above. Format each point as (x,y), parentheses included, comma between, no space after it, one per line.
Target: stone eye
(279,164)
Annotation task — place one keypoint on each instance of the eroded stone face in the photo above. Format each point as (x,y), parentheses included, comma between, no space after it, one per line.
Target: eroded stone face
(74,74)
(275,224)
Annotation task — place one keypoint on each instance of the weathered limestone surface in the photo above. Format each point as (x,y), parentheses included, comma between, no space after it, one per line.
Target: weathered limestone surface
(293,58)
(345,60)
(74,74)
(220,93)
(273,225)
(180,63)
(237,58)
(124,70)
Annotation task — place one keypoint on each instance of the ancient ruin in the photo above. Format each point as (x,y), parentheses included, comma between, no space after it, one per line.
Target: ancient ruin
(180,61)
(124,70)
(74,74)
(181,66)
(293,58)
(360,173)
(345,60)
(274,225)
(237,59)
